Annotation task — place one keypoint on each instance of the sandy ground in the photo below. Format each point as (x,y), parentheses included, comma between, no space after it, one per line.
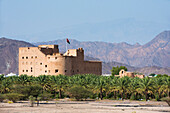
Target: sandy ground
(104,106)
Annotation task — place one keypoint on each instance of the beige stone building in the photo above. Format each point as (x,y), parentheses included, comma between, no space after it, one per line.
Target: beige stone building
(123,73)
(46,60)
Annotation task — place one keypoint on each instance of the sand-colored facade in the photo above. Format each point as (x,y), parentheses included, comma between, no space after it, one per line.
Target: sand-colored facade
(123,73)
(46,60)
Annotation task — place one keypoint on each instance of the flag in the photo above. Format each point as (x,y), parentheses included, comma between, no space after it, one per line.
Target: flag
(68,41)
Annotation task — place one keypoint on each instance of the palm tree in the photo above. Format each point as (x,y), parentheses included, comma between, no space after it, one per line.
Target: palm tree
(61,83)
(100,84)
(44,81)
(146,85)
(122,85)
(5,86)
(133,86)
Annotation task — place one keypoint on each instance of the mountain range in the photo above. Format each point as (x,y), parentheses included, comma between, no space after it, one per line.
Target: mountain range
(154,53)
(152,57)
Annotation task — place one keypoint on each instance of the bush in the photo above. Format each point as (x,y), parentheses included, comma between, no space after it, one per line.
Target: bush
(133,97)
(1,97)
(45,96)
(13,96)
(31,99)
(167,100)
(79,92)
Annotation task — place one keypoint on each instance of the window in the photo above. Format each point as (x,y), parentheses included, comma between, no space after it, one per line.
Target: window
(48,57)
(22,70)
(31,70)
(31,57)
(26,57)
(28,48)
(31,67)
(22,57)
(49,71)
(65,70)
(40,63)
(55,57)
(45,71)
(77,70)
(26,70)
(35,56)
(56,70)
(22,63)
(45,65)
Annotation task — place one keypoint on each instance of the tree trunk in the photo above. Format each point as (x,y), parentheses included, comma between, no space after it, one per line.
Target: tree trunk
(60,95)
(146,95)
(101,93)
(115,95)
(37,102)
(126,96)
(122,95)
(136,96)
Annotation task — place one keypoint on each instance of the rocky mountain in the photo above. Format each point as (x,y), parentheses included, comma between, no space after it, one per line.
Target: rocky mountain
(154,53)
(146,59)
(106,69)
(9,54)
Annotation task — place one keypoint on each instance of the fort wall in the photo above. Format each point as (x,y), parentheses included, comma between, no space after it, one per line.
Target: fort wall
(46,60)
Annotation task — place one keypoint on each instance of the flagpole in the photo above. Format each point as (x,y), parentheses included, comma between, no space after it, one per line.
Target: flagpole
(66,44)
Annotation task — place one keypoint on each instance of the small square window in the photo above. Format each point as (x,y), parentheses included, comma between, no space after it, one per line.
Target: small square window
(22,57)
(55,57)
(26,70)
(45,71)
(45,65)
(56,70)
(40,63)
(65,70)
(31,57)
(48,57)
(22,70)
(35,56)
(49,71)
(26,57)
(31,70)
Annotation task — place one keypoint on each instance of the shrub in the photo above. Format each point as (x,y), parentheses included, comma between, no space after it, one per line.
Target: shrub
(45,96)
(167,100)
(31,99)
(10,102)
(1,97)
(13,96)
(79,92)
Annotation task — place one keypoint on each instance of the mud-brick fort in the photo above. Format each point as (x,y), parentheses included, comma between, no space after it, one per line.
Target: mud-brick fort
(46,60)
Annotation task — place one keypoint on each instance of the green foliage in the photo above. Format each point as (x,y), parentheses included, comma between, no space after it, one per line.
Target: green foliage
(152,74)
(44,96)
(164,75)
(116,70)
(167,100)
(32,100)
(1,97)
(13,96)
(79,92)
(46,87)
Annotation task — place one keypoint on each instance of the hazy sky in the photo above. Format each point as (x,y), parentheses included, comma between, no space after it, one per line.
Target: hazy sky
(27,17)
